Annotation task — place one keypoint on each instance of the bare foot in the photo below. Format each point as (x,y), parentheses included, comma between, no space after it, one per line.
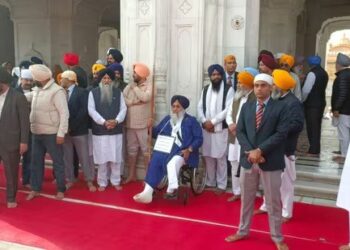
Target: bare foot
(234,198)
(259,211)
(32,195)
(101,189)
(282,246)
(59,195)
(344,247)
(118,187)
(27,186)
(234,237)
(11,204)
(69,185)
(219,191)
(285,219)
(129,179)
(91,187)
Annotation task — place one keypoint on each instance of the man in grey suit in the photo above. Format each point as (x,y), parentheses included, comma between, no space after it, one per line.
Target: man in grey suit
(261,131)
(14,133)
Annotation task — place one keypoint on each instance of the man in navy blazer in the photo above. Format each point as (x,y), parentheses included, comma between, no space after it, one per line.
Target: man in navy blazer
(77,136)
(261,131)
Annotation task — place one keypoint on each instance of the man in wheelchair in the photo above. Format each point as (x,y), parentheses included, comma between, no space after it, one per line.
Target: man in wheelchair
(179,137)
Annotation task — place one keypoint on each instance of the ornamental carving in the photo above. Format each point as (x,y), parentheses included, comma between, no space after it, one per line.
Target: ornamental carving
(237,22)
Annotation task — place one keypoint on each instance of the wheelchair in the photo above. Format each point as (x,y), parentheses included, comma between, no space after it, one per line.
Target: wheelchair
(190,178)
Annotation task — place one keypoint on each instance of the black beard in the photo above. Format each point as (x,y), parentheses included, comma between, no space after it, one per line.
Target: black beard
(216,85)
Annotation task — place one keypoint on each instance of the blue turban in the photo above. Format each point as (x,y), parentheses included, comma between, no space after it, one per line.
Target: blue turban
(116,54)
(218,68)
(181,99)
(104,72)
(36,60)
(117,67)
(314,60)
(251,70)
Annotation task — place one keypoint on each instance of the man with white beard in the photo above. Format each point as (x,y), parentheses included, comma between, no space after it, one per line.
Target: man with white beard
(212,109)
(184,148)
(243,94)
(107,109)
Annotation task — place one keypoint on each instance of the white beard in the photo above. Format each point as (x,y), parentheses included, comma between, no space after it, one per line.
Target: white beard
(175,118)
(239,94)
(106,93)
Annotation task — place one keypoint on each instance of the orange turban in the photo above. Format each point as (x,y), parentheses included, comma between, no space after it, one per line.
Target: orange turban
(229,58)
(141,70)
(97,67)
(246,79)
(283,80)
(288,59)
(59,78)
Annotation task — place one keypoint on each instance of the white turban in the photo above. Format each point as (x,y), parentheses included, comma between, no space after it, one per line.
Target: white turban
(264,77)
(26,74)
(40,72)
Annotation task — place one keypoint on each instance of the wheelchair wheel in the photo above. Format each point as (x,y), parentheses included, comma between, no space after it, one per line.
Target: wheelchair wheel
(199,176)
(162,184)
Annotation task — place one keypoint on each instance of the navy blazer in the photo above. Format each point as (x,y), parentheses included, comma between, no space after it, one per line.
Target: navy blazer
(296,121)
(78,112)
(270,136)
(191,136)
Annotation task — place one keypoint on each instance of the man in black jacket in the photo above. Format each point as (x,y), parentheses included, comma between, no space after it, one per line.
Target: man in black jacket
(261,131)
(77,136)
(341,103)
(314,99)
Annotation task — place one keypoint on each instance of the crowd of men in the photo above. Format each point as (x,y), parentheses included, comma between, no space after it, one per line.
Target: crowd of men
(250,120)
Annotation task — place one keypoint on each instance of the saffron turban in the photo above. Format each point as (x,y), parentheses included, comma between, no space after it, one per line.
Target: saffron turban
(268,61)
(116,54)
(141,70)
(71,59)
(263,77)
(59,78)
(181,99)
(343,60)
(283,80)
(40,72)
(26,74)
(287,59)
(97,67)
(5,76)
(218,68)
(117,67)
(70,75)
(246,76)
(229,58)
(314,60)
(108,72)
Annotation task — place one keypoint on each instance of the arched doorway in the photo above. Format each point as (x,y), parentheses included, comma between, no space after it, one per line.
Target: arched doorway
(109,29)
(7,50)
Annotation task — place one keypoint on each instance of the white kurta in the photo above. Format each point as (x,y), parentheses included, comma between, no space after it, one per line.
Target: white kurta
(234,150)
(215,144)
(343,199)
(107,148)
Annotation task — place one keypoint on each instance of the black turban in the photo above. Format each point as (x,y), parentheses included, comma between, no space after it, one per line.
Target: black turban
(218,68)
(25,64)
(36,60)
(116,54)
(182,100)
(105,71)
(5,77)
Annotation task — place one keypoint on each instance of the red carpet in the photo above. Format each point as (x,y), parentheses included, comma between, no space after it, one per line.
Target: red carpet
(202,224)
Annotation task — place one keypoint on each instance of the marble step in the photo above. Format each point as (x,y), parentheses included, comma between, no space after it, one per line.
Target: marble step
(316,190)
